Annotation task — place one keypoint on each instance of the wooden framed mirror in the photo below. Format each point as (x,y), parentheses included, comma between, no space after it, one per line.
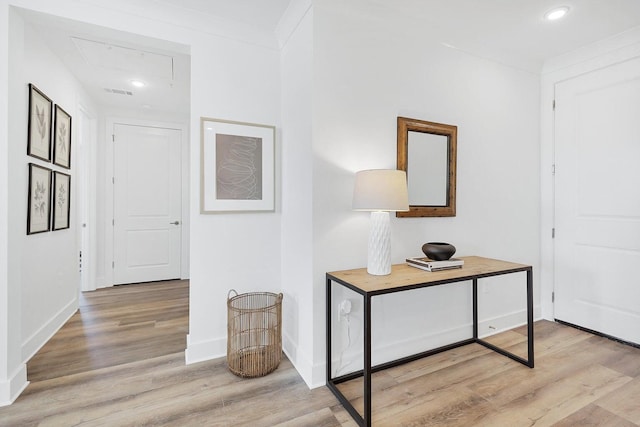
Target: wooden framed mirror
(427,153)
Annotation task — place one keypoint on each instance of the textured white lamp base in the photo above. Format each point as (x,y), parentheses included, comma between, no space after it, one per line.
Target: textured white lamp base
(379,261)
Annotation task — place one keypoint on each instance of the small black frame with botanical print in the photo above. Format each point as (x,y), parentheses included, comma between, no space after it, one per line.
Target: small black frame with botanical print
(61,200)
(39,207)
(39,124)
(62,138)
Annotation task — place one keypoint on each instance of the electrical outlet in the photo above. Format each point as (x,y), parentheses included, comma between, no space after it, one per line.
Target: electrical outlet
(345,307)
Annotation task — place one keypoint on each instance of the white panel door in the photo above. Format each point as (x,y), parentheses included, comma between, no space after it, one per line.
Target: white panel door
(147,204)
(597,201)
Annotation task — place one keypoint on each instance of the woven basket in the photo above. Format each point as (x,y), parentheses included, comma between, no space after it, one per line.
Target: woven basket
(254,328)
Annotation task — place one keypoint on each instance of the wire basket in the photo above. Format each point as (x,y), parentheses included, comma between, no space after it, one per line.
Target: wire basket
(254,328)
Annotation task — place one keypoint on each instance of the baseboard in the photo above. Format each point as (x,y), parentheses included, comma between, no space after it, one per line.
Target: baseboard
(502,323)
(204,350)
(14,386)
(312,374)
(35,342)
(352,359)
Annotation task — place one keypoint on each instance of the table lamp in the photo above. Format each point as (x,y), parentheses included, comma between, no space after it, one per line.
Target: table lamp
(380,191)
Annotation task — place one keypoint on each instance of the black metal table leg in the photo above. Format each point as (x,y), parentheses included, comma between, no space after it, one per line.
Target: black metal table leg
(367,361)
(475,308)
(328,331)
(529,360)
(530,317)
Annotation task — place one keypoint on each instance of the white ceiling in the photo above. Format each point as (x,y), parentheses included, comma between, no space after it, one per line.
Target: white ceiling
(105,61)
(514,32)
(262,14)
(511,32)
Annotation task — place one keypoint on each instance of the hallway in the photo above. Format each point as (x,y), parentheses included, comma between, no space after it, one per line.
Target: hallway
(115,326)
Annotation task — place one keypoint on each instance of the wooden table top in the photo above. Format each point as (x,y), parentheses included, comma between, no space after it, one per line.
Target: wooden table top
(403,275)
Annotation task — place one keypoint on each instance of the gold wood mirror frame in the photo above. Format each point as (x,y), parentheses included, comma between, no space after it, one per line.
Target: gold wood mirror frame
(427,153)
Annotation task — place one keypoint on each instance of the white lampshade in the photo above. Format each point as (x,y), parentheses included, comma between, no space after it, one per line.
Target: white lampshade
(380,191)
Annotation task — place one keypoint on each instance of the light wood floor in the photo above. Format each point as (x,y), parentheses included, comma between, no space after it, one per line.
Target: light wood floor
(120,362)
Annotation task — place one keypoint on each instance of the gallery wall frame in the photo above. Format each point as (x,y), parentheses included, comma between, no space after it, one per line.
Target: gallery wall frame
(61,201)
(62,138)
(237,166)
(39,124)
(39,199)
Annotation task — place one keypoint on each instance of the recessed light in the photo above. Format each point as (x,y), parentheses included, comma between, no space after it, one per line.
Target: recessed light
(137,83)
(556,13)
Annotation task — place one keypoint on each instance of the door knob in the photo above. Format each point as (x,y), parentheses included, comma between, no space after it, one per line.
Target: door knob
(175,223)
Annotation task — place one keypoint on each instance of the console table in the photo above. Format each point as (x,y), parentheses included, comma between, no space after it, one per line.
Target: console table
(405,278)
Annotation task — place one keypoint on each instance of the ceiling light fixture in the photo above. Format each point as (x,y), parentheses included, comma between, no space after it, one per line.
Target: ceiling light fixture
(556,13)
(137,83)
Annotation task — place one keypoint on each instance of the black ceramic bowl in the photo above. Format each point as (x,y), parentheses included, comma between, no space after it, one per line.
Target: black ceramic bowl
(438,251)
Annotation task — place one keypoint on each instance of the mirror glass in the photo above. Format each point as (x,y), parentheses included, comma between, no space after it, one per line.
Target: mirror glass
(427,169)
(427,152)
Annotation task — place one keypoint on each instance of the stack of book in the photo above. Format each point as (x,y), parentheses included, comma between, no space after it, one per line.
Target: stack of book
(430,265)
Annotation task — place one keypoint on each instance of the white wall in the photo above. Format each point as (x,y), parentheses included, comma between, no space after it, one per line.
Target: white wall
(297,213)
(370,66)
(602,54)
(42,268)
(13,373)
(237,80)
(7,391)
(232,81)
(50,291)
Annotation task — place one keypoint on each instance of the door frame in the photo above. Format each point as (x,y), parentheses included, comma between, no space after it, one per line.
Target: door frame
(109,194)
(599,55)
(87,131)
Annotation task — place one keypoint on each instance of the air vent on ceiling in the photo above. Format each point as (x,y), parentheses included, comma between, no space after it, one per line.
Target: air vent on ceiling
(130,60)
(119,91)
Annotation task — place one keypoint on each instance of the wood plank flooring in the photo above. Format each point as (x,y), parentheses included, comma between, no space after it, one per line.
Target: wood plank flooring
(119,361)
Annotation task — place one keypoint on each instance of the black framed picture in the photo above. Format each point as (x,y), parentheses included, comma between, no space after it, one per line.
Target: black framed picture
(39,124)
(62,138)
(39,208)
(61,200)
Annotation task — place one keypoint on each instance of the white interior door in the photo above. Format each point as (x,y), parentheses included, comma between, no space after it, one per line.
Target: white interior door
(147,204)
(597,199)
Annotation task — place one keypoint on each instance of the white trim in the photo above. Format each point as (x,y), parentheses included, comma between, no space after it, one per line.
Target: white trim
(291,18)
(505,322)
(617,45)
(85,194)
(39,338)
(11,389)
(312,374)
(353,359)
(205,350)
